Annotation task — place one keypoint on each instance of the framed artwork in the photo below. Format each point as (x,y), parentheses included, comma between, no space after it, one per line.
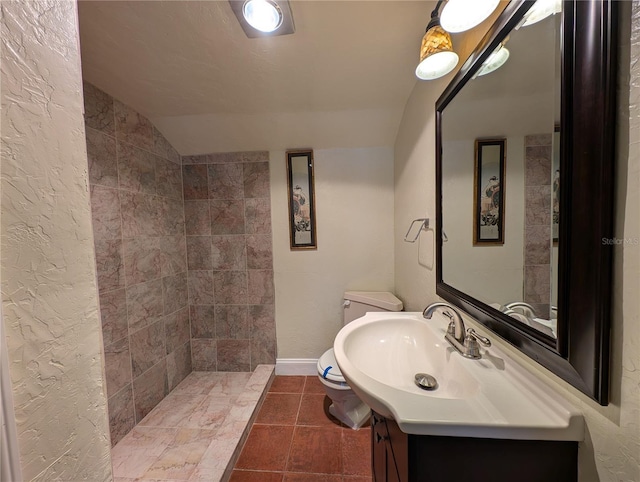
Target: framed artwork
(488,192)
(302,201)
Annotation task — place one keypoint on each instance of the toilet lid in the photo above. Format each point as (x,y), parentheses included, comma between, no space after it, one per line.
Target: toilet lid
(328,367)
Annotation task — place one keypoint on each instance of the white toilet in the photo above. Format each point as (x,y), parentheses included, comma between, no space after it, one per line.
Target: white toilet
(346,406)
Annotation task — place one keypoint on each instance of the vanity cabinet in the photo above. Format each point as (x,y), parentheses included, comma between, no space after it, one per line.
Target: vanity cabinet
(397,456)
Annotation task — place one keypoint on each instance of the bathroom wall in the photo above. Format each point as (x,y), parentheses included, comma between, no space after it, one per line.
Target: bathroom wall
(610,451)
(229,256)
(495,272)
(415,177)
(49,291)
(354,210)
(138,224)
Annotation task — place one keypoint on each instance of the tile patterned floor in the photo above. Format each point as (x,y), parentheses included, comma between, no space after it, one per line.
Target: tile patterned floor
(294,439)
(195,432)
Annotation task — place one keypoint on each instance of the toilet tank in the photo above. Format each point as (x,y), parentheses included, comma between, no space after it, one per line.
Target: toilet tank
(358,303)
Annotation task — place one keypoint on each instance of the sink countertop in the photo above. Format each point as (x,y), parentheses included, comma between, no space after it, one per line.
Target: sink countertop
(493,397)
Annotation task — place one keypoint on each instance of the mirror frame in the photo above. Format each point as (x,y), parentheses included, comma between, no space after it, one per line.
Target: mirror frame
(580,355)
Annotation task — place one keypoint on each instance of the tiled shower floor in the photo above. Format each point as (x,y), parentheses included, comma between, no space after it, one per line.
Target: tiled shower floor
(194,432)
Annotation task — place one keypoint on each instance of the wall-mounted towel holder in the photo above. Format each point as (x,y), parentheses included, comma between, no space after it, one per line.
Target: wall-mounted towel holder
(424,224)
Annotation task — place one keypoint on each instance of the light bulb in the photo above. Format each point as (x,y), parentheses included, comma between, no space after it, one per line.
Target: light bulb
(461,15)
(263,15)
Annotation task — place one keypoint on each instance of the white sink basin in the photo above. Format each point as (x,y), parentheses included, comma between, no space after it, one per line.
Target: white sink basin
(380,354)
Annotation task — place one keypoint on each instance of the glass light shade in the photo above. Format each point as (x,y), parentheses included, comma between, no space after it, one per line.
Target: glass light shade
(461,15)
(437,57)
(263,15)
(494,61)
(541,10)
(437,65)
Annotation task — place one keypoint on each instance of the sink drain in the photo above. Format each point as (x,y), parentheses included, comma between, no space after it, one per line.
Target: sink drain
(426,381)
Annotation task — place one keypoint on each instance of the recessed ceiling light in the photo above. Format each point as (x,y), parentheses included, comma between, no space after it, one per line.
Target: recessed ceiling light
(264,18)
(263,15)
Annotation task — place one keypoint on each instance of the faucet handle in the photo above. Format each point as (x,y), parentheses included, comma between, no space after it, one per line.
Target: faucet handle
(472,342)
(483,340)
(451,329)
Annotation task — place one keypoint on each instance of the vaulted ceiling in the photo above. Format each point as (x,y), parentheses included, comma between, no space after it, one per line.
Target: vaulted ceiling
(342,80)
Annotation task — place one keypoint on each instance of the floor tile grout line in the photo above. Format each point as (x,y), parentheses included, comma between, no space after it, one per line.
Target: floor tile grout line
(279,424)
(286,462)
(299,406)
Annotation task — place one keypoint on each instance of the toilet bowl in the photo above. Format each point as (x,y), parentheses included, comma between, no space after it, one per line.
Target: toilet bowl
(346,406)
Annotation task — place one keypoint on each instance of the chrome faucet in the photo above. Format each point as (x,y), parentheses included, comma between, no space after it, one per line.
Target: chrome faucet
(451,313)
(526,308)
(466,344)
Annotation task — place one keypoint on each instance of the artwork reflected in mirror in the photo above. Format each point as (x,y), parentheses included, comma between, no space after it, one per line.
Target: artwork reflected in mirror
(488,195)
(498,142)
(555,186)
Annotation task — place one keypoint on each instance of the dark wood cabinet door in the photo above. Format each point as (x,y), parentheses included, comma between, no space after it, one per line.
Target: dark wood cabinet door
(378,448)
(398,457)
(398,446)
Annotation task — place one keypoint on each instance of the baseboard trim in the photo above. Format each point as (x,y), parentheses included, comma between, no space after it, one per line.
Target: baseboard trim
(297,366)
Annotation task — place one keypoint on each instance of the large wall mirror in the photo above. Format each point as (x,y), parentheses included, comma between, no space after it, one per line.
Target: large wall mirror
(522,231)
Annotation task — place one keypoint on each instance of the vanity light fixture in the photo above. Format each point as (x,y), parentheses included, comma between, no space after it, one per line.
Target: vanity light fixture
(263,18)
(496,60)
(461,15)
(541,10)
(437,57)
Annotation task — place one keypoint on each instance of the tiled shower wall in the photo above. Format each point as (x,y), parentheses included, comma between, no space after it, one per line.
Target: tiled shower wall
(229,255)
(537,236)
(138,222)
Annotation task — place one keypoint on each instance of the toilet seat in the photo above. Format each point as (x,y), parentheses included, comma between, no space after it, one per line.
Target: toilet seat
(328,369)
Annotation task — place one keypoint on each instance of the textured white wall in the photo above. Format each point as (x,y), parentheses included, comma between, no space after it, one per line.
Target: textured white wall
(354,212)
(49,289)
(611,451)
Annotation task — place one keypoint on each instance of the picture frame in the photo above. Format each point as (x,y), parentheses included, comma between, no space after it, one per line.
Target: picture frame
(555,187)
(489,192)
(301,199)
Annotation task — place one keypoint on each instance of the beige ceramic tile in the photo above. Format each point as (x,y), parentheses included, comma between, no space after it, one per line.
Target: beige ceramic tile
(174,411)
(211,413)
(198,383)
(214,461)
(260,377)
(134,465)
(230,384)
(148,440)
(180,458)
(164,446)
